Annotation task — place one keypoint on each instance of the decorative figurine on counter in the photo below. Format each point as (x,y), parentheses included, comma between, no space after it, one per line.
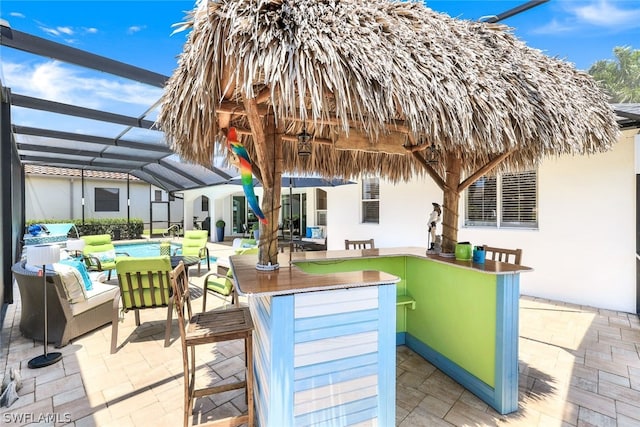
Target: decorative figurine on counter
(434,219)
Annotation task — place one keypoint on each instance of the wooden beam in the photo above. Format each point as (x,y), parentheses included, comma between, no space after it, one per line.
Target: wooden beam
(264,95)
(259,139)
(360,141)
(416,148)
(287,137)
(483,170)
(240,110)
(224,120)
(430,170)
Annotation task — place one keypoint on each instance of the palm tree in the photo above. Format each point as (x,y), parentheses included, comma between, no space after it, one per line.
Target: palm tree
(620,78)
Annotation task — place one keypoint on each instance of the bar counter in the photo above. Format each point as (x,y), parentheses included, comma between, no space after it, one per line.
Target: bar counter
(328,322)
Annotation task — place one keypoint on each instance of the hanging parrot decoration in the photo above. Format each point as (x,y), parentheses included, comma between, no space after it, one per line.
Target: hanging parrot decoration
(240,158)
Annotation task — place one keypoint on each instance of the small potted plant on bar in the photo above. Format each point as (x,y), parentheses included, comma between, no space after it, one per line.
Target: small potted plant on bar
(220,230)
(255,228)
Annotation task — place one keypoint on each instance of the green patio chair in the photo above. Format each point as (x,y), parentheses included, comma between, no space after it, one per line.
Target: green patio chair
(194,243)
(144,283)
(223,285)
(100,254)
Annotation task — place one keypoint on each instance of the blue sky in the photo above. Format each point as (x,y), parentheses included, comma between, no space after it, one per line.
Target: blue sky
(139,33)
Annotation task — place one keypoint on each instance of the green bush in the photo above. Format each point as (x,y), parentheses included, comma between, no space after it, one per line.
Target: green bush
(117,228)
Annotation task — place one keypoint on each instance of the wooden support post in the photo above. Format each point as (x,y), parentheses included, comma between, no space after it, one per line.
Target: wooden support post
(451,200)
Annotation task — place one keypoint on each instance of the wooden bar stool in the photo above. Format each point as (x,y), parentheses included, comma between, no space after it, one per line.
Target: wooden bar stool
(206,328)
(359,244)
(512,256)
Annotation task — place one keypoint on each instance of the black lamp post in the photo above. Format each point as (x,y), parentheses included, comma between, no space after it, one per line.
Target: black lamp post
(41,255)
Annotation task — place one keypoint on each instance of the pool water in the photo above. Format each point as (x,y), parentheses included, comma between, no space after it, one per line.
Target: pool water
(148,249)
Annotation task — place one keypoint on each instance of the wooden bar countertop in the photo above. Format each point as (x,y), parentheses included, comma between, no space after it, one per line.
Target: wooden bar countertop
(289,279)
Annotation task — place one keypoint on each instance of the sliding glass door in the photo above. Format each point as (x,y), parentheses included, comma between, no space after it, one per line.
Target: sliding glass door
(242,218)
(294,214)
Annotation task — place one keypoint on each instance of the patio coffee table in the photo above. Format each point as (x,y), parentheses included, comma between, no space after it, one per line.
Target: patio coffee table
(187,260)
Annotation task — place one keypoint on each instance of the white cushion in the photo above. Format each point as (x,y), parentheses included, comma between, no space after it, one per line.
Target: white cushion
(98,276)
(72,282)
(100,294)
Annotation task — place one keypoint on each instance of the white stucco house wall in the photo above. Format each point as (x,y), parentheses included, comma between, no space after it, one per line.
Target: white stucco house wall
(56,193)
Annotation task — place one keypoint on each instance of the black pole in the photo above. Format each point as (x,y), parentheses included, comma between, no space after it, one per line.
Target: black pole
(82,185)
(291,208)
(516,10)
(128,202)
(7,209)
(150,212)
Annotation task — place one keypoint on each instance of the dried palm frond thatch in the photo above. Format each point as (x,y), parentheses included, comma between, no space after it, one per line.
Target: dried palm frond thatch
(376,82)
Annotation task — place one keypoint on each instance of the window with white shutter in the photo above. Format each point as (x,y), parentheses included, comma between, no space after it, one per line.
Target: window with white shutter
(482,204)
(509,200)
(519,200)
(371,200)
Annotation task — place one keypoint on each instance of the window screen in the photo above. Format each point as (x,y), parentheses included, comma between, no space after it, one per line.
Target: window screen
(107,199)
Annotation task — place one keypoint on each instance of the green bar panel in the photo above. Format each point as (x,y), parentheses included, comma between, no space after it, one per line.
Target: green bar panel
(455,314)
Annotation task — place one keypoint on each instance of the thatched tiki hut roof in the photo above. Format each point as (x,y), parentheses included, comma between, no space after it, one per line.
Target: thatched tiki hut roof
(376,82)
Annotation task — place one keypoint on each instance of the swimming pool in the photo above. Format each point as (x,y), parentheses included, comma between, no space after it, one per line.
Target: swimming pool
(146,249)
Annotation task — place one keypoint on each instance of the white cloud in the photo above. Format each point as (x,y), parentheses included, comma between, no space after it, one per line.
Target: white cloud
(17,15)
(583,15)
(50,31)
(554,27)
(135,28)
(90,30)
(66,30)
(53,81)
(606,13)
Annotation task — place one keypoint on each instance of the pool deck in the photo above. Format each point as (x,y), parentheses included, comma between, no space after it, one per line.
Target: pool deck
(579,366)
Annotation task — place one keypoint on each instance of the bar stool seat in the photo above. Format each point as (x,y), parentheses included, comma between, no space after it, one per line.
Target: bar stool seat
(207,328)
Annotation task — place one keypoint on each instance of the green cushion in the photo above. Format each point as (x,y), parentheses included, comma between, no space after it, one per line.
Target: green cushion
(193,241)
(196,234)
(100,246)
(157,288)
(221,285)
(244,251)
(97,240)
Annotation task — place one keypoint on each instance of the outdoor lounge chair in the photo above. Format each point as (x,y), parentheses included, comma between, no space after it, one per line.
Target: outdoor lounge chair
(67,317)
(100,254)
(195,244)
(144,284)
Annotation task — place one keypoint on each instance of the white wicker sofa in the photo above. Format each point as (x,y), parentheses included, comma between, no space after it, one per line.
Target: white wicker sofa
(68,316)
